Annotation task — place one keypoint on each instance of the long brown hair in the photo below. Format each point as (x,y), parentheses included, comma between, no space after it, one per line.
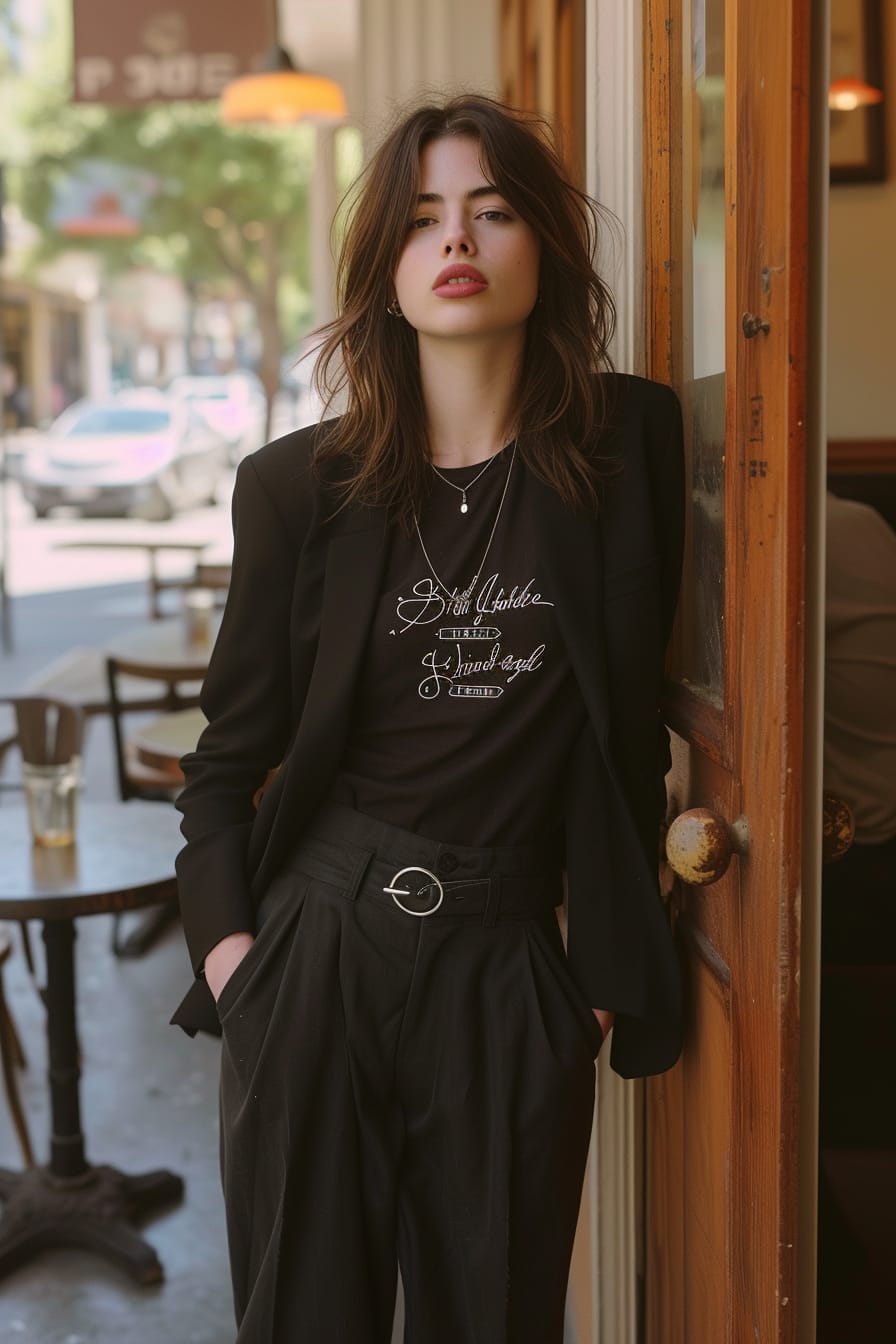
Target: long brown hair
(371,358)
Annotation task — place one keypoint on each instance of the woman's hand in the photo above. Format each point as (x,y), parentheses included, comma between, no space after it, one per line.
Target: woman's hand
(223,960)
(605,1018)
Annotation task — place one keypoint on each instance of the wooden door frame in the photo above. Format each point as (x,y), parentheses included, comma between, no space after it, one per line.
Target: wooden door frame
(777,518)
(816,482)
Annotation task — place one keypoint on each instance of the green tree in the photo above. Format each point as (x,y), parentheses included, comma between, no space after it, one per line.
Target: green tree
(231,204)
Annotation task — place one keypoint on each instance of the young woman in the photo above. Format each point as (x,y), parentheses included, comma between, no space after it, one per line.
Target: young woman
(442,650)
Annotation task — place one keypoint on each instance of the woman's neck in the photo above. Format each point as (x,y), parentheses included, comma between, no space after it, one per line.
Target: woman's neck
(470,395)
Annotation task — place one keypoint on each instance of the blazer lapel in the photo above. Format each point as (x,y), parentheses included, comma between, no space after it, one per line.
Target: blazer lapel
(570,553)
(353,574)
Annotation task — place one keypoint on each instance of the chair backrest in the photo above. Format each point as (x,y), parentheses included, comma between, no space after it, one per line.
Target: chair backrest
(214,575)
(49,731)
(172,677)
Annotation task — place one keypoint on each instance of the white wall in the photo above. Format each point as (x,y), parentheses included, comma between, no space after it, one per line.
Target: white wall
(384,52)
(322,36)
(862,289)
(407,48)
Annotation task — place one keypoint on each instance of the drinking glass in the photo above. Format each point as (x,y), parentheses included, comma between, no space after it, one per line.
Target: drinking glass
(51,796)
(199,607)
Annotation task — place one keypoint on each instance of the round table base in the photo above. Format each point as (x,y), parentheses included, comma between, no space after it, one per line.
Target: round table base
(92,1211)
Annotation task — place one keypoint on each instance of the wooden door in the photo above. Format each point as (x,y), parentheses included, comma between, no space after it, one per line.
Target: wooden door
(726,158)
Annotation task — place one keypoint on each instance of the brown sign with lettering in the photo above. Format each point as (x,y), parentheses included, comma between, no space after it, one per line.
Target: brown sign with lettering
(148,51)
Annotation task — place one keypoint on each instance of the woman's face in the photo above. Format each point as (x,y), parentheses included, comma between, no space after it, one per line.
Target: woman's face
(469,267)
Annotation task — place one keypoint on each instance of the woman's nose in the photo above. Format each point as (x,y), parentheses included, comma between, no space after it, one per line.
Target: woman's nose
(457,242)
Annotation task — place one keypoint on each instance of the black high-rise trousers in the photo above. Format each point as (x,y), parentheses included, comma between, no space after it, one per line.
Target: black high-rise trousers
(404,1088)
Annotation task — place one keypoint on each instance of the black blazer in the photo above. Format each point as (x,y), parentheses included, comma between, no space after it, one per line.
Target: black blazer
(281,679)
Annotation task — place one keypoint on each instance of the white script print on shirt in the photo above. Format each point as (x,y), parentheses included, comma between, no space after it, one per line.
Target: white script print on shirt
(485,674)
(446,673)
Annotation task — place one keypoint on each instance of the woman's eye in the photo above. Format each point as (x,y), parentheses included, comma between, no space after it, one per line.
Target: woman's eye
(421,223)
(492,215)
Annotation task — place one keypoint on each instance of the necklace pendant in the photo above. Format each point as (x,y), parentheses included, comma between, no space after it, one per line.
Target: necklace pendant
(463,502)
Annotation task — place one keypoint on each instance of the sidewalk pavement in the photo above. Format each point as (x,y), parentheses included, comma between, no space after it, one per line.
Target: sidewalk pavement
(149,1093)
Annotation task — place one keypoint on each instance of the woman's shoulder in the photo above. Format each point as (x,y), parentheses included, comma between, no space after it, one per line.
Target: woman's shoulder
(284,470)
(630,394)
(288,459)
(643,419)
(643,445)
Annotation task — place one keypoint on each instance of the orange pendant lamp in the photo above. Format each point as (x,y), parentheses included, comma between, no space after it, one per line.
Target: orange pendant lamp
(281,94)
(845,95)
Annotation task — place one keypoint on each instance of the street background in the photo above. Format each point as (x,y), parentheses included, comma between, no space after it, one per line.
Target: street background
(149,1093)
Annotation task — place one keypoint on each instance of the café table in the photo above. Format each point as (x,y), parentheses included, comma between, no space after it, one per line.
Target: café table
(166,643)
(164,741)
(123,859)
(153,546)
(161,743)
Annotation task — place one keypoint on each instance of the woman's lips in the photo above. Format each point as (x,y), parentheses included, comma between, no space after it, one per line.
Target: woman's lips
(459,282)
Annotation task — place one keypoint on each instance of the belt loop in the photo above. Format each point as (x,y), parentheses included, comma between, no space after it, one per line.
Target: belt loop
(359,872)
(492,902)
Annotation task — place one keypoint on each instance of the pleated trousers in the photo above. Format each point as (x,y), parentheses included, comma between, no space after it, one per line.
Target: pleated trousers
(399,1088)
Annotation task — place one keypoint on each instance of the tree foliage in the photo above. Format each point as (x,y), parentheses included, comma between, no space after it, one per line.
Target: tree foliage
(230,205)
(228,202)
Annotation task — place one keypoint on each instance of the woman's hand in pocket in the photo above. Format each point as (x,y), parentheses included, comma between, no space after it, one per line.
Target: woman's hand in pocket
(223,960)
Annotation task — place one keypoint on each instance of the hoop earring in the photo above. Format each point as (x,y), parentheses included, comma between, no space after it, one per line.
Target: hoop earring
(394,309)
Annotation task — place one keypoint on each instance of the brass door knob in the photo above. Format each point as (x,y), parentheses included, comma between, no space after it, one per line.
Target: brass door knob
(838,828)
(699,845)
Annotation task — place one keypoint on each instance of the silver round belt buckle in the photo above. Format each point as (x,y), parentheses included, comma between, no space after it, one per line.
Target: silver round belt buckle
(396,891)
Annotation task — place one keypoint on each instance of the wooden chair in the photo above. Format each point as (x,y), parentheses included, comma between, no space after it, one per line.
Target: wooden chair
(45,730)
(138,780)
(79,678)
(49,730)
(213,575)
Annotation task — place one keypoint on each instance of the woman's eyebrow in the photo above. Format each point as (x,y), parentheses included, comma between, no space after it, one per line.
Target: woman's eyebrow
(433,197)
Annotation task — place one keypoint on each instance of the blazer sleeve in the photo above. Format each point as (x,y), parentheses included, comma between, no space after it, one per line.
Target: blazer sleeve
(246,699)
(643,540)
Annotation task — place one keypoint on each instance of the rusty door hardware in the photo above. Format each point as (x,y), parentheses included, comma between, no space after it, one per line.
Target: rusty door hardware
(752,325)
(699,845)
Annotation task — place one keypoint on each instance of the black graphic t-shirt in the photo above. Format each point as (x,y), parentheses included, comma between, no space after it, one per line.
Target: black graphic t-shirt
(467,706)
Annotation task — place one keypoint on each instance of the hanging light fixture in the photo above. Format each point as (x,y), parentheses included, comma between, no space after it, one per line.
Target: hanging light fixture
(281,93)
(845,95)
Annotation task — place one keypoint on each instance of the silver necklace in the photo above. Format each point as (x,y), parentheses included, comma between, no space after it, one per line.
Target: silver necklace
(451,593)
(462,489)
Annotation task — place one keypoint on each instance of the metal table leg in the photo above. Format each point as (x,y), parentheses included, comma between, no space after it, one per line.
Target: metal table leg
(70,1202)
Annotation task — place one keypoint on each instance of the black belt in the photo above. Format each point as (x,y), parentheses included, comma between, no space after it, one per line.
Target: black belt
(376,861)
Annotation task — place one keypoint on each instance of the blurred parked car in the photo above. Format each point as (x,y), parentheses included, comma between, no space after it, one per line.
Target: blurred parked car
(233,404)
(138,452)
